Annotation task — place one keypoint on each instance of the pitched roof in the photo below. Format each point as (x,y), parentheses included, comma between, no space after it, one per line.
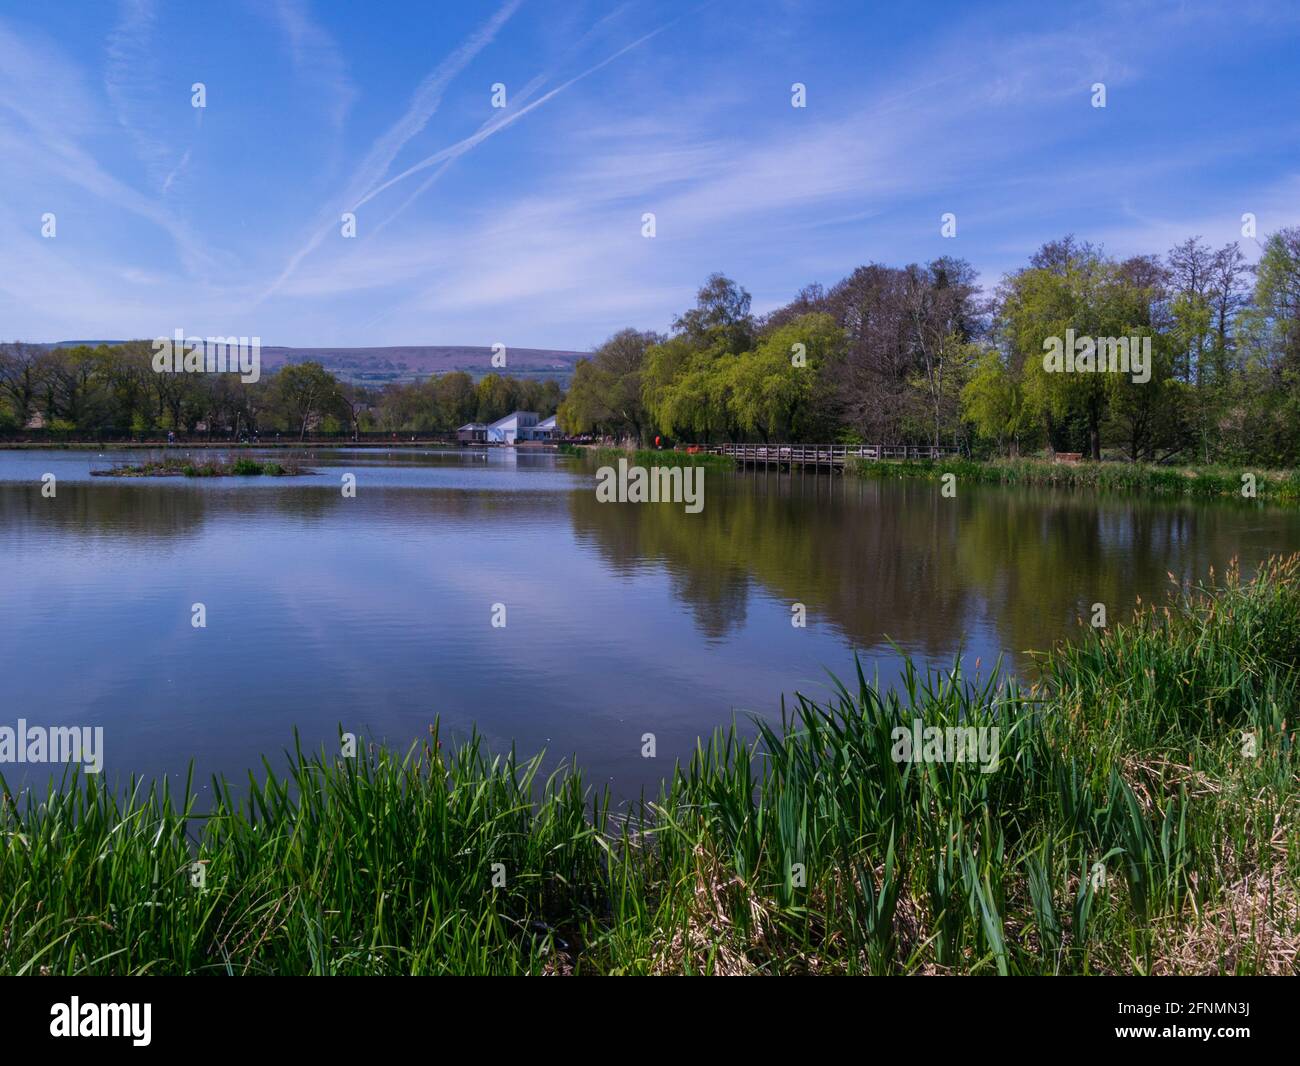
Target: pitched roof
(507,418)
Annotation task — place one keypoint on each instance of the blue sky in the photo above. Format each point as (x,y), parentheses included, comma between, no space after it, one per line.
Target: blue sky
(523,225)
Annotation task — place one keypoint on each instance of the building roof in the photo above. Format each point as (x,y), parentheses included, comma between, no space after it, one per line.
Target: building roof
(547,423)
(472,425)
(509,417)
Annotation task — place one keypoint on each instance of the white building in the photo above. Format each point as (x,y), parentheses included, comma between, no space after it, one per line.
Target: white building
(521,426)
(515,426)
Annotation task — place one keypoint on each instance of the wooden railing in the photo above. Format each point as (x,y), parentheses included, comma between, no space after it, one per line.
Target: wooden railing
(828,455)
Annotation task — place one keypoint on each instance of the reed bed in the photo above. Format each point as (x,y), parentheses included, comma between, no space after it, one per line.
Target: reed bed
(1141,819)
(1282,486)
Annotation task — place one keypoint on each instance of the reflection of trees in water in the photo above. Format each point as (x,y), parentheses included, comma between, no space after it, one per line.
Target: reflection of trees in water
(875,559)
(895,559)
(174,512)
(101,511)
(1041,558)
(719,606)
(871,570)
(692,550)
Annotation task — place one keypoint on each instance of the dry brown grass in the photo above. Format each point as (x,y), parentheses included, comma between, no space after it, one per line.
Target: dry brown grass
(1253,926)
(706,943)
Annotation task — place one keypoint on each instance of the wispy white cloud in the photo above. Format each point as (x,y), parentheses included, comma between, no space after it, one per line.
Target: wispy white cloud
(520,97)
(44,130)
(1273,203)
(131,81)
(129,74)
(986,116)
(569,248)
(424,102)
(316,58)
(507,118)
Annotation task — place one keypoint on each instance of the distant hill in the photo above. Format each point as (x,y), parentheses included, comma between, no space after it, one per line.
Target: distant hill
(379,366)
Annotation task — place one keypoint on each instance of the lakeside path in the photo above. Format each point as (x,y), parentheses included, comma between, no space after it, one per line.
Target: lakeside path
(153,445)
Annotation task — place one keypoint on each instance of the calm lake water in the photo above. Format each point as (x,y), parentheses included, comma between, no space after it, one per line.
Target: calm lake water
(375,613)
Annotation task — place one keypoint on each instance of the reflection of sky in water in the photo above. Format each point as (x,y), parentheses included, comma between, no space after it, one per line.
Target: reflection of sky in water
(374,612)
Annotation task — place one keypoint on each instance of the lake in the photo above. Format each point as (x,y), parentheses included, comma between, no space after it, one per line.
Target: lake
(375,613)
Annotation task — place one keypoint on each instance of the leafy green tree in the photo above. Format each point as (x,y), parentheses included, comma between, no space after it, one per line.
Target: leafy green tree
(688,381)
(720,318)
(496,397)
(77,392)
(1153,420)
(780,390)
(1075,288)
(22,378)
(455,400)
(994,401)
(675,405)
(304,391)
(605,393)
(1277,295)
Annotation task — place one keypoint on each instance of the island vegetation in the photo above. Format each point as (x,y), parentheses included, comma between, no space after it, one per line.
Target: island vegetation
(190,466)
(1141,818)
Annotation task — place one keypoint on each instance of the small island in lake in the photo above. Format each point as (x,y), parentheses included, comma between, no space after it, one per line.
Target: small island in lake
(188,467)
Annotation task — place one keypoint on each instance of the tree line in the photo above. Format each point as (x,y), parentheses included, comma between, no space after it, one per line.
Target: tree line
(920,354)
(115,389)
(914,354)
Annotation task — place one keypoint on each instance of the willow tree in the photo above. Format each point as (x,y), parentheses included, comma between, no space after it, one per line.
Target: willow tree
(994,402)
(605,393)
(1074,291)
(782,389)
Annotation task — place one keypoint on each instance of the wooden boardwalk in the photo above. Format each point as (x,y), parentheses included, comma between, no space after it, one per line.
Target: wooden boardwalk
(829,457)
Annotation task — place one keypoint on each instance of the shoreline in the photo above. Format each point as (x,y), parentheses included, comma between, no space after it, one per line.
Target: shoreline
(1272,486)
(1118,478)
(1125,479)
